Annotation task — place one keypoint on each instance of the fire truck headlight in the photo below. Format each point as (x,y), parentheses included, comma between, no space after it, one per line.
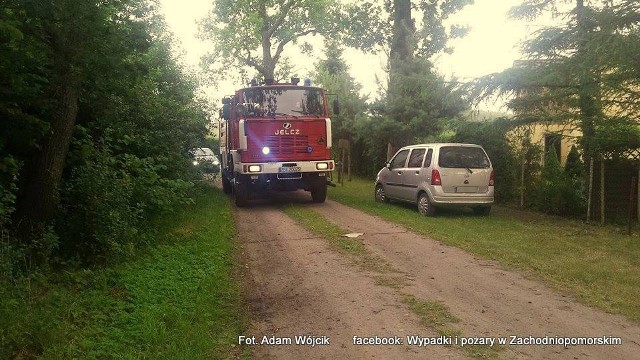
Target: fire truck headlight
(255,168)
(322,166)
(266,150)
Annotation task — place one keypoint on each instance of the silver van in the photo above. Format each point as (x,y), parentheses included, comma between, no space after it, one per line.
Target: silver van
(438,175)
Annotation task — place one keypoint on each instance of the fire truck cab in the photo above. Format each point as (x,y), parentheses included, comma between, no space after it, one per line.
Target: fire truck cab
(276,136)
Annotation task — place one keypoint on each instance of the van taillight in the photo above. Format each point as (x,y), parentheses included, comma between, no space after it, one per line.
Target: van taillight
(492,178)
(435,177)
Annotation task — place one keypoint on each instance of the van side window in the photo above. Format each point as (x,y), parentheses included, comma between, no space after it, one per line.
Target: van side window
(415,159)
(427,159)
(400,159)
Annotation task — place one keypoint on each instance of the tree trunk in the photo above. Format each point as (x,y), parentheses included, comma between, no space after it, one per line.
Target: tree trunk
(403,29)
(589,91)
(401,51)
(268,63)
(390,151)
(37,204)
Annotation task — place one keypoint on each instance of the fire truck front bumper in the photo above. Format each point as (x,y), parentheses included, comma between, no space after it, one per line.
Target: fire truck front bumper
(287,169)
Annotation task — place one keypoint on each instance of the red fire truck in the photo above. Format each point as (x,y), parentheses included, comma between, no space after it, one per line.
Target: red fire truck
(276,136)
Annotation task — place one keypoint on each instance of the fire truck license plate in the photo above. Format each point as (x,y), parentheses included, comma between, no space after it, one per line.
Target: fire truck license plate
(289,169)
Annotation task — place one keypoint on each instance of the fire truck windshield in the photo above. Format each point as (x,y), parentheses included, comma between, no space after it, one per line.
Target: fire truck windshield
(282,101)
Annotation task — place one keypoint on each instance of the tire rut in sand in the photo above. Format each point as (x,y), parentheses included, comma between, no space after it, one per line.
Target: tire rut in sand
(299,286)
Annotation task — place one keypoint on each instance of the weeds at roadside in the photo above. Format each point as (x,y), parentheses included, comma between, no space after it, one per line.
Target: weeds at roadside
(178,300)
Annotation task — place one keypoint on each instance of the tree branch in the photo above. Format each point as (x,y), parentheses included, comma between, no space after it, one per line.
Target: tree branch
(284,11)
(249,60)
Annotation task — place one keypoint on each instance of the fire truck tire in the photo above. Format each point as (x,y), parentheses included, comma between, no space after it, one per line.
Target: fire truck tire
(226,185)
(241,194)
(319,193)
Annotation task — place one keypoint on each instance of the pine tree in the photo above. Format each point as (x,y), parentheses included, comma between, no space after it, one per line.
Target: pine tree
(584,71)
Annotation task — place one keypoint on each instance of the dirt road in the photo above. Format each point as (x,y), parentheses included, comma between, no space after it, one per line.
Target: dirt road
(299,286)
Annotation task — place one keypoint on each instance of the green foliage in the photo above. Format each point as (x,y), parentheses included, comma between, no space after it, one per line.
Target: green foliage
(366,25)
(178,300)
(584,70)
(557,192)
(492,136)
(419,99)
(574,167)
(255,33)
(332,73)
(137,118)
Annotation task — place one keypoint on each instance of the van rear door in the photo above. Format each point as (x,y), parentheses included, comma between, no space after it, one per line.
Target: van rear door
(464,169)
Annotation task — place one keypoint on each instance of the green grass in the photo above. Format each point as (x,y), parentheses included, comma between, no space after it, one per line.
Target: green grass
(179,300)
(600,266)
(352,247)
(435,315)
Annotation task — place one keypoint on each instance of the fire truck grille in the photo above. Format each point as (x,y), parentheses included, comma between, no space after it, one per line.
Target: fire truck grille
(283,144)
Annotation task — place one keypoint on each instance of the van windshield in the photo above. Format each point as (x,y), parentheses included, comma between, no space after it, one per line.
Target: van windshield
(463,157)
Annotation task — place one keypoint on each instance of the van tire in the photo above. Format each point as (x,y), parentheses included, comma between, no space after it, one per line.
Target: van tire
(482,210)
(424,205)
(380,194)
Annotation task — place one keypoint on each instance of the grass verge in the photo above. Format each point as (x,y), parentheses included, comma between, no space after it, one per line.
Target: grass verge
(435,315)
(179,300)
(600,266)
(353,247)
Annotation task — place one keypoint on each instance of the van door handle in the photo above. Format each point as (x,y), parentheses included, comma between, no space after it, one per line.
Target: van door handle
(418,172)
(399,172)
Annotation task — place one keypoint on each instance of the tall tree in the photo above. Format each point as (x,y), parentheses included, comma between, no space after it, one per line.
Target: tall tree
(390,26)
(416,97)
(332,73)
(96,121)
(255,33)
(69,30)
(581,71)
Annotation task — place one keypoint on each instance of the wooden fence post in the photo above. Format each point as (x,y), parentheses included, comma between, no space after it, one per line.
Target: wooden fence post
(602,190)
(631,194)
(590,196)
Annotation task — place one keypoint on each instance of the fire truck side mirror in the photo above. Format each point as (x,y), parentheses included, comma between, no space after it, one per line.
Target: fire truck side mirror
(226,111)
(336,107)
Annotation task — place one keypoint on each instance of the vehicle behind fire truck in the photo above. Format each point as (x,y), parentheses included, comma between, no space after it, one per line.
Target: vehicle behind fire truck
(276,137)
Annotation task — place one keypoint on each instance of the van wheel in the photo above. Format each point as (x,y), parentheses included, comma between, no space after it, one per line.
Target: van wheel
(424,205)
(482,211)
(380,195)
(241,194)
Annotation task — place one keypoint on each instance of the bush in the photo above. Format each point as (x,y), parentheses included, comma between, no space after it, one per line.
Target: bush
(105,200)
(559,193)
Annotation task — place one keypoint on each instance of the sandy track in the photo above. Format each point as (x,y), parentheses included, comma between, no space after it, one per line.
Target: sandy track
(299,286)
(489,300)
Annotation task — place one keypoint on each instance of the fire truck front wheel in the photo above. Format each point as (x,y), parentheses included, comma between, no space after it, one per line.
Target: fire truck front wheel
(319,193)
(226,184)
(240,194)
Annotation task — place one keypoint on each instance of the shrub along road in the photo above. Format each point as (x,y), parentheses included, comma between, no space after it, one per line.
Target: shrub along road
(307,280)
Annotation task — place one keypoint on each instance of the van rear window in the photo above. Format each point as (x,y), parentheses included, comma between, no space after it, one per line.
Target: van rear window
(463,157)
